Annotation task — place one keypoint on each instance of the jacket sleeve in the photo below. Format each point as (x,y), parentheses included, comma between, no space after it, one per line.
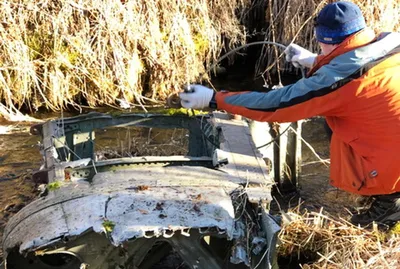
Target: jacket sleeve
(316,95)
(329,91)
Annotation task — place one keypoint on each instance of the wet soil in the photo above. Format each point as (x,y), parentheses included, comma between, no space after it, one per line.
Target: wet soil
(19,156)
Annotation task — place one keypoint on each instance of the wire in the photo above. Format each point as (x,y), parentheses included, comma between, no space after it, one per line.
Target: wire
(225,56)
(66,146)
(204,133)
(245,46)
(274,139)
(237,49)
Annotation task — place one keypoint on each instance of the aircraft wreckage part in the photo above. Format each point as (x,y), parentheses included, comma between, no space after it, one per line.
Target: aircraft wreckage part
(134,215)
(206,250)
(137,210)
(210,207)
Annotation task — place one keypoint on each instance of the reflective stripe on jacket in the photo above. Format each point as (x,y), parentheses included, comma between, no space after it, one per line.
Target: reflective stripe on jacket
(357,88)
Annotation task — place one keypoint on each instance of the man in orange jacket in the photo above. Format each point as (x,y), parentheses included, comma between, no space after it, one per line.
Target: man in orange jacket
(353,83)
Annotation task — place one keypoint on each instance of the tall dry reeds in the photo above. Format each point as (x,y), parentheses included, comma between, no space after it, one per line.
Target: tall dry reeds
(60,52)
(292,21)
(55,53)
(330,243)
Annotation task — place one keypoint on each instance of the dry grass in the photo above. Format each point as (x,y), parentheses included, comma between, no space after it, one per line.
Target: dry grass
(292,21)
(337,243)
(55,53)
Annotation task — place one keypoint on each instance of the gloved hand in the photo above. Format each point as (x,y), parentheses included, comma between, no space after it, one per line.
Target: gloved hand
(299,56)
(196,96)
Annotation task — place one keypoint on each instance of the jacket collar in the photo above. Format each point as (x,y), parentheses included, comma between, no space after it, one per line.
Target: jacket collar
(357,40)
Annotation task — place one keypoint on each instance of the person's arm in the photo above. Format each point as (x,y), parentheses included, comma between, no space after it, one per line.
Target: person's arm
(316,95)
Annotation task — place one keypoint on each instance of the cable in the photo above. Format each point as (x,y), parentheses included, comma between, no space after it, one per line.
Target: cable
(273,140)
(235,50)
(67,147)
(225,56)
(174,101)
(245,46)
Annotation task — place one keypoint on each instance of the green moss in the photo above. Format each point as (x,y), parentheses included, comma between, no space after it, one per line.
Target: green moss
(177,111)
(395,230)
(116,113)
(163,111)
(54,185)
(70,54)
(39,44)
(108,226)
(201,44)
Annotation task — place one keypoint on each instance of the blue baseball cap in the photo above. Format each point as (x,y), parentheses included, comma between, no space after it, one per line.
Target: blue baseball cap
(337,21)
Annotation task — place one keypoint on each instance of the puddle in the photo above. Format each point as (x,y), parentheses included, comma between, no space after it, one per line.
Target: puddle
(19,156)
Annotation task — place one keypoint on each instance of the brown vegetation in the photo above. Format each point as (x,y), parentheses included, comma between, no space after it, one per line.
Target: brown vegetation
(57,53)
(291,21)
(335,244)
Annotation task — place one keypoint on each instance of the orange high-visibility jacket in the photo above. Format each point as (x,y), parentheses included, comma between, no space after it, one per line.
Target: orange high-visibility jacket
(357,88)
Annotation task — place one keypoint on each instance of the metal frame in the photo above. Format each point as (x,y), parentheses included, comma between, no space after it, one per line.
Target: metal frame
(216,143)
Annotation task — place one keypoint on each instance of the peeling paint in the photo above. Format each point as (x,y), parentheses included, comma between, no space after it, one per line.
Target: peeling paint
(124,204)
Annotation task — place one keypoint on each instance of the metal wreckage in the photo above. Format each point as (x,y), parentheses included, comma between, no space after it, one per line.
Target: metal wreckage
(209,207)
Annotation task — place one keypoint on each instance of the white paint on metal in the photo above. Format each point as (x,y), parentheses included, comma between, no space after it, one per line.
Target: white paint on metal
(144,200)
(260,132)
(139,202)
(38,229)
(153,211)
(245,161)
(85,213)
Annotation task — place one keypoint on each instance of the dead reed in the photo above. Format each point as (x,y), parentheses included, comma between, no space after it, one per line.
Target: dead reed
(338,244)
(292,21)
(55,53)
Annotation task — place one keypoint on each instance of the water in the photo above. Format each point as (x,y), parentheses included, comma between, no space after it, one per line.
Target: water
(19,156)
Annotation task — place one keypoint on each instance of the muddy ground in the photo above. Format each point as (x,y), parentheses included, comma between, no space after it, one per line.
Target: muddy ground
(19,156)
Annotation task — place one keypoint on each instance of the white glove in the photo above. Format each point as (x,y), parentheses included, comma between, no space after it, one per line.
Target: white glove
(299,56)
(196,96)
